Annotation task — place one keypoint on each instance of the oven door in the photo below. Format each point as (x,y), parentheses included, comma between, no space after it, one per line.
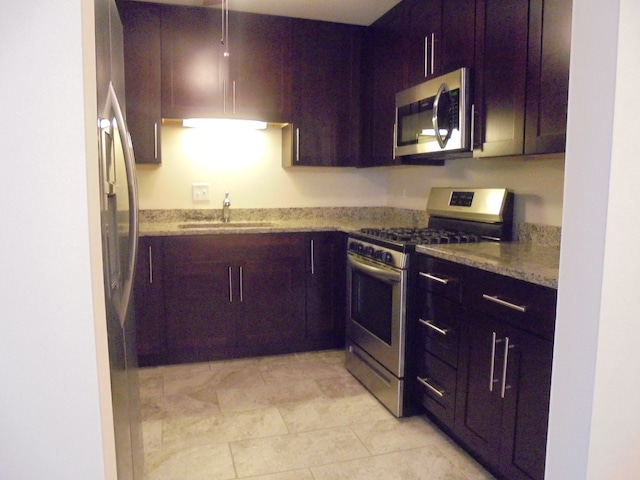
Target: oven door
(376,310)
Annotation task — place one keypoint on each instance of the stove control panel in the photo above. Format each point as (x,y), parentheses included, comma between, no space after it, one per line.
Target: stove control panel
(378,253)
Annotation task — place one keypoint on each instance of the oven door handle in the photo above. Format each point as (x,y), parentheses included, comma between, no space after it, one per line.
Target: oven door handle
(384,274)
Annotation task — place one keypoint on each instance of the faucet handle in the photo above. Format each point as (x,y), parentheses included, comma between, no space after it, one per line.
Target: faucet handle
(226,200)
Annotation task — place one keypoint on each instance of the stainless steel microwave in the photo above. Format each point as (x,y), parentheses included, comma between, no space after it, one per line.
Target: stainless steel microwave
(433,118)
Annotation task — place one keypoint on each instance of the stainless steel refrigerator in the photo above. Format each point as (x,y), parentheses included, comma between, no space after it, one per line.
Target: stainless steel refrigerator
(119,219)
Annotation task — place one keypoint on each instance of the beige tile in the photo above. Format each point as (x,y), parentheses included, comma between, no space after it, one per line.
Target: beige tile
(292,475)
(327,356)
(295,451)
(152,435)
(341,386)
(272,395)
(303,370)
(418,464)
(463,461)
(223,427)
(327,412)
(197,463)
(200,401)
(229,376)
(150,386)
(395,434)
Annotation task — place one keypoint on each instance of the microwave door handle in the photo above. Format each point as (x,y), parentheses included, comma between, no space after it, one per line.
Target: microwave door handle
(442,141)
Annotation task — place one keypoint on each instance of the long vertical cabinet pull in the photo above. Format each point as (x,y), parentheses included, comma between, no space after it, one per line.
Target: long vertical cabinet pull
(504,367)
(433,52)
(494,342)
(426,56)
(150,265)
(429,54)
(313,263)
(234,97)
(297,145)
(155,140)
(241,286)
(230,285)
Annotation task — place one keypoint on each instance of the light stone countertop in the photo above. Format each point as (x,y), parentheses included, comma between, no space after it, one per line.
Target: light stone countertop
(522,260)
(535,260)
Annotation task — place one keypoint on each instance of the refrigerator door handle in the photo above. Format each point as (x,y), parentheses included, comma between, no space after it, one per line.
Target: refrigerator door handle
(132,191)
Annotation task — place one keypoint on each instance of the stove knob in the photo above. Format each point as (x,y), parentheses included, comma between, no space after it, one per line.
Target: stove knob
(368,251)
(387,258)
(355,246)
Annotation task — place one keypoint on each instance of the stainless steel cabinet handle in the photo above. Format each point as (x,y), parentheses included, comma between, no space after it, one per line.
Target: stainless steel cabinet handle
(428,323)
(234,97)
(424,381)
(224,96)
(473,125)
(241,286)
(230,286)
(443,281)
(297,145)
(155,140)
(433,52)
(150,265)
(493,360)
(426,56)
(513,306)
(504,366)
(313,262)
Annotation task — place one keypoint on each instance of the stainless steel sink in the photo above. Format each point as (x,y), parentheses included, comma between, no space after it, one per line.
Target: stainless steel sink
(207,225)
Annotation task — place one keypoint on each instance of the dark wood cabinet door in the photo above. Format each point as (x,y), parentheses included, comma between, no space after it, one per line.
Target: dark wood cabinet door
(424,40)
(457,46)
(500,81)
(201,298)
(526,406)
(260,66)
(326,93)
(192,70)
(478,406)
(326,287)
(548,76)
(384,76)
(149,303)
(142,51)
(271,315)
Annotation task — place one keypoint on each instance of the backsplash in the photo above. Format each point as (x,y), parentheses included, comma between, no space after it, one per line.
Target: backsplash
(544,235)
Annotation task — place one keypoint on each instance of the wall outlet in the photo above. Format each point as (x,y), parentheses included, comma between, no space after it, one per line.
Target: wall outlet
(200,192)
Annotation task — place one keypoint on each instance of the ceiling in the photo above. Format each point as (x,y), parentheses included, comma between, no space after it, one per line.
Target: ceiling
(357,12)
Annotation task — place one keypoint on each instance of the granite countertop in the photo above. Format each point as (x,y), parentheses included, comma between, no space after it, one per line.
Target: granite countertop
(522,260)
(534,259)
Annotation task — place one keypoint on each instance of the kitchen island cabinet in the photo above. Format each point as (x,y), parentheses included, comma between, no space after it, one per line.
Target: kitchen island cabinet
(485,349)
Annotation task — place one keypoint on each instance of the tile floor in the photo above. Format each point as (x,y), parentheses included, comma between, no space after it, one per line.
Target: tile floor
(289,417)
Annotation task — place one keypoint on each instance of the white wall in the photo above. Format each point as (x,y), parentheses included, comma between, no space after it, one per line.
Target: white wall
(594,430)
(253,174)
(50,415)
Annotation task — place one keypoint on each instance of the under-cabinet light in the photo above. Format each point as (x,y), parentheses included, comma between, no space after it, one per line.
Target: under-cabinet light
(224,123)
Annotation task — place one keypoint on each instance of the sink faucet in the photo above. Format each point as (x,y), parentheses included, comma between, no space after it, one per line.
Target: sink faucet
(226,208)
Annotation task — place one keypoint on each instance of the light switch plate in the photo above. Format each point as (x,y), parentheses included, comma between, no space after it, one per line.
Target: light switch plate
(200,192)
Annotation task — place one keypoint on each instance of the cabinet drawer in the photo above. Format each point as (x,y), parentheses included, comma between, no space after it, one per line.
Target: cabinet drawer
(438,327)
(526,305)
(436,387)
(441,277)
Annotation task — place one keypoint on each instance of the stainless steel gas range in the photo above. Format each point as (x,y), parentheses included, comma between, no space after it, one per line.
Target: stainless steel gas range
(380,275)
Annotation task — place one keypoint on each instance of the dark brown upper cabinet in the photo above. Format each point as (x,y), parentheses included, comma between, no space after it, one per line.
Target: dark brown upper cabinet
(522,77)
(325,127)
(192,68)
(246,74)
(548,76)
(142,51)
(259,83)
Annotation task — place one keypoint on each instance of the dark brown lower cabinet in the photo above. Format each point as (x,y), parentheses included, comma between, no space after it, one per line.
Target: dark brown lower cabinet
(485,349)
(505,381)
(211,297)
(149,302)
(325,290)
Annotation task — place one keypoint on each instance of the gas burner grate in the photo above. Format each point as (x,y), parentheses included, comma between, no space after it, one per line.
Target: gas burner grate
(421,236)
